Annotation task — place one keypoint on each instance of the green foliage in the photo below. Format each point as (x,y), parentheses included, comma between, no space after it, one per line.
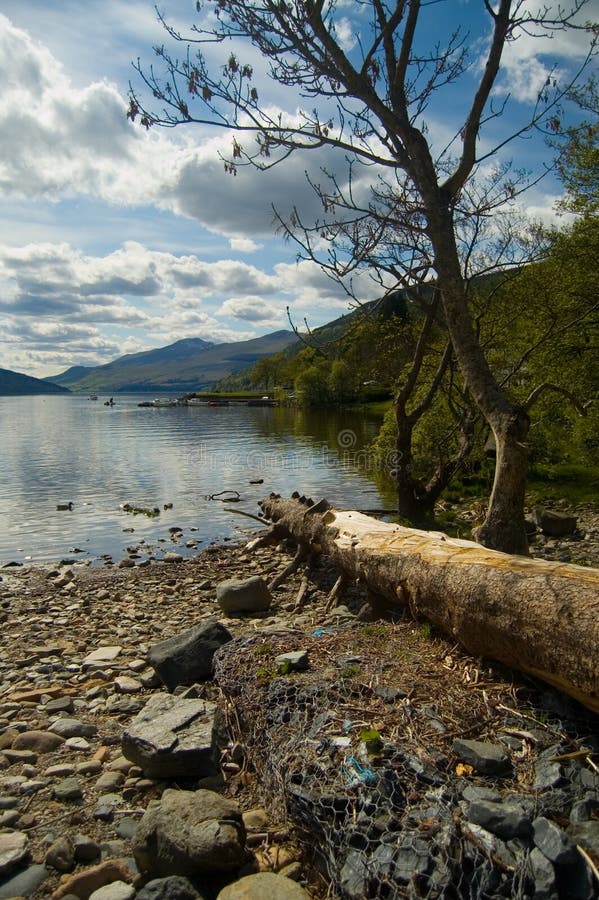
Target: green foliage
(352,670)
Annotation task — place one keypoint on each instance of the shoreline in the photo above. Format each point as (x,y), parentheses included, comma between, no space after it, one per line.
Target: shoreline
(429,695)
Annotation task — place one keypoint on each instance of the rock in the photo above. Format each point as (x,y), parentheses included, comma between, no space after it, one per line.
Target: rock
(243,595)
(14,848)
(124,684)
(190,833)
(101,656)
(174,888)
(73,728)
(586,834)
(553,842)
(126,563)
(68,789)
(506,820)
(187,657)
(548,775)
(263,886)
(173,737)
(118,890)
(38,741)
(83,884)
(85,849)
(61,854)
(24,884)
(295,661)
(485,758)
(555,524)
(543,875)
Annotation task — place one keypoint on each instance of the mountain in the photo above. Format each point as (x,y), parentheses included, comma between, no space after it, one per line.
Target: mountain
(73,374)
(15,384)
(191,364)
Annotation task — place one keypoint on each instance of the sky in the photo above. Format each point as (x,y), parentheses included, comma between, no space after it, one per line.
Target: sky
(114,239)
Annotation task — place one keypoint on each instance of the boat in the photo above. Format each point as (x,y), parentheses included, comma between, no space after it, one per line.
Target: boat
(93,396)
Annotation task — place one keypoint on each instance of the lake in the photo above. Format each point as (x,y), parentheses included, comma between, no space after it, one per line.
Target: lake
(60,449)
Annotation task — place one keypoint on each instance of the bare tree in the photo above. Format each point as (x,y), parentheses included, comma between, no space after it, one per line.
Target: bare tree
(380,94)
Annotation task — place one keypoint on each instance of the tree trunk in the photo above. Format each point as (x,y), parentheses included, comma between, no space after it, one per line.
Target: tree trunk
(536,616)
(503,528)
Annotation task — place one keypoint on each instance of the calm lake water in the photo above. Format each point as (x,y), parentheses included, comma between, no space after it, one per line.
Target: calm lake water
(58,449)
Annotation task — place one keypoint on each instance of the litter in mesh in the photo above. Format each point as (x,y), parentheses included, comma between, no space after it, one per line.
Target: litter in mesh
(377,826)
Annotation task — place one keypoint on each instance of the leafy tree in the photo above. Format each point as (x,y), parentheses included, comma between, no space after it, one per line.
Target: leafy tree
(404,203)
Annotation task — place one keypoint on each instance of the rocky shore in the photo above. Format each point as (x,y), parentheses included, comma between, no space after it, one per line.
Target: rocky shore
(340,750)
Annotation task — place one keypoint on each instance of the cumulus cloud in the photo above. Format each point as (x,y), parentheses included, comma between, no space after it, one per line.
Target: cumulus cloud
(55,301)
(244,245)
(251,309)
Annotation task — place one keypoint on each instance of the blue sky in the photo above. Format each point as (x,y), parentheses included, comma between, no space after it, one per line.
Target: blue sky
(114,240)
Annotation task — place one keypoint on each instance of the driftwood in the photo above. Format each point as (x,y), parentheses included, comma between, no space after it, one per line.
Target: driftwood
(536,616)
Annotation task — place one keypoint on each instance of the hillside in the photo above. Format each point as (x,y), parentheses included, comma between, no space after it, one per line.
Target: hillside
(13,384)
(187,365)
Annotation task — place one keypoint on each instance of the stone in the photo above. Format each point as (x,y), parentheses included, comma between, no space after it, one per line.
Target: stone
(173,737)
(24,884)
(543,875)
(506,820)
(555,524)
(173,888)
(295,661)
(73,728)
(61,854)
(124,684)
(484,757)
(14,848)
(83,884)
(101,656)
(554,843)
(109,781)
(263,886)
(85,848)
(243,595)
(38,741)
(586,834)
(117,890)
(548,775)
(190,833)
(187,657)
(68,789)
(126,563)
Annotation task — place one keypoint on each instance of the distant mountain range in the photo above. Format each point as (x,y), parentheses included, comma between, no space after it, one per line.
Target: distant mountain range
(14,384)
(187,365)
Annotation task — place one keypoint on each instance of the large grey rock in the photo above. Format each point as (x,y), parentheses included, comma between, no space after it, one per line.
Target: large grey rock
(506,820)
(14,847)
(243,595)
(543,875)
(263,886)
(173,737)
(554,843)
(173,888)
(190,833)
(555,524)
(68,728)
(485,758)
(23,884)
(187,657)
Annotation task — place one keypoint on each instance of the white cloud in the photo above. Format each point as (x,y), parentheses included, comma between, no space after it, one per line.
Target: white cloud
(252,309)
(244,245)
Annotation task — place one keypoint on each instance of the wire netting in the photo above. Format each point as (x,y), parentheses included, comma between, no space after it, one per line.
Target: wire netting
(354,753)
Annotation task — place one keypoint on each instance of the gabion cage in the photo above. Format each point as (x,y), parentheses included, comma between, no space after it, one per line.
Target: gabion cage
(380,818)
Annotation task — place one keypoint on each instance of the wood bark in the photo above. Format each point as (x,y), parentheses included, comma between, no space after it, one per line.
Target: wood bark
(533,615)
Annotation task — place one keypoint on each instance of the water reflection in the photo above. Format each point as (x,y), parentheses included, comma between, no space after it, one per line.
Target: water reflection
(60,449)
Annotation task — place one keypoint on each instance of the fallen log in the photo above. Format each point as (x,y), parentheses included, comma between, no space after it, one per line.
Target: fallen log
(533,615)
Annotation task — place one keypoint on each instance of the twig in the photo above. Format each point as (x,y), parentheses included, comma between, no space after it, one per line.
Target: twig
(334,593)
(241,512)
(299,600)
(300,555)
